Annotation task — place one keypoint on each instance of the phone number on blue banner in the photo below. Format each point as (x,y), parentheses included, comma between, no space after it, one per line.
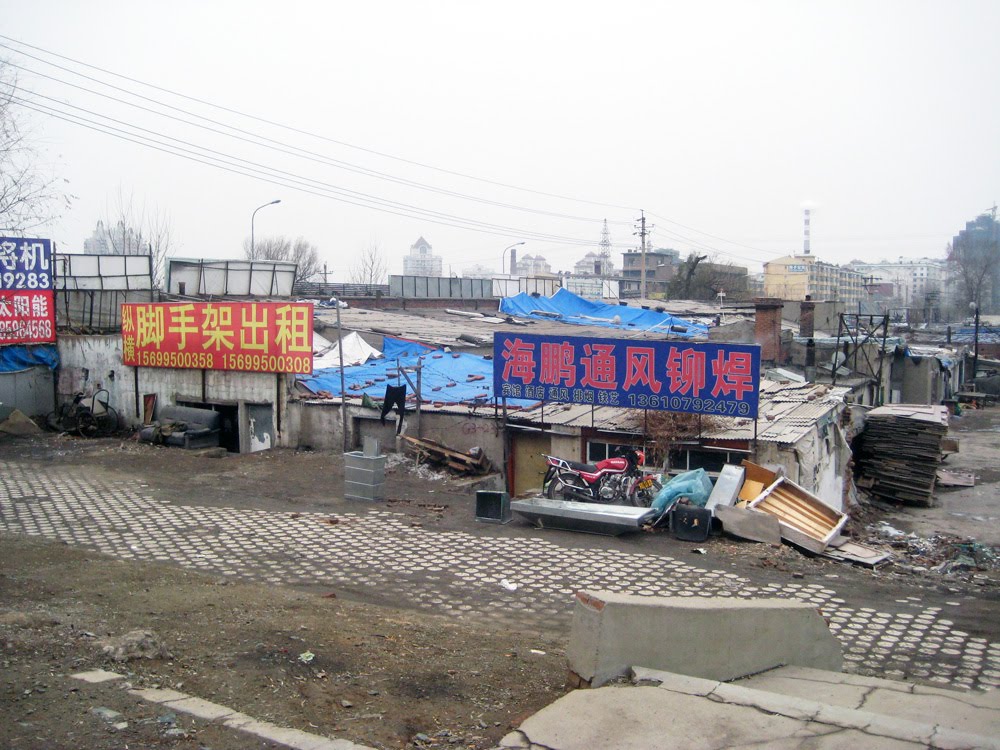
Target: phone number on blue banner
(700,378)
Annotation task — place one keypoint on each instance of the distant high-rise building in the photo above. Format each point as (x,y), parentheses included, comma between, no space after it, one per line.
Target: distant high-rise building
(421,261)
(97,243)
(116,240)
(911,278)
(594,264)
(533,265)
(661,265)
(478,271)
(792,277)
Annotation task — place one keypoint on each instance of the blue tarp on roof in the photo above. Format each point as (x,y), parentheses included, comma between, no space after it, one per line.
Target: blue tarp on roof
(447,377)
(16,358)
(987,335)
(566,307)
(392,348)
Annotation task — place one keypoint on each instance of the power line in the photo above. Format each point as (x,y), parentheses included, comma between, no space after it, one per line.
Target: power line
(281,174)
(267,174)
(275,145)
(282,125)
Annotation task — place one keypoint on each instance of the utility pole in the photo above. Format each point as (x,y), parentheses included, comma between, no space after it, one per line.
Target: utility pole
(642,237)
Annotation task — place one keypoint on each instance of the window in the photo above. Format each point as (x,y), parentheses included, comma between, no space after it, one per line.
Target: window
(684,459)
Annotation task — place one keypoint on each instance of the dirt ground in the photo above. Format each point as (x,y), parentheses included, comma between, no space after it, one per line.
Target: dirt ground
(381,676)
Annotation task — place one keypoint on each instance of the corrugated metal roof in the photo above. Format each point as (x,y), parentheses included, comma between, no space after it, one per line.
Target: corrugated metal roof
(786,413)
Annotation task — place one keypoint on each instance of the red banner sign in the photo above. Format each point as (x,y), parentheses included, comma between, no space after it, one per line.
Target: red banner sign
(248,336)
(27,317)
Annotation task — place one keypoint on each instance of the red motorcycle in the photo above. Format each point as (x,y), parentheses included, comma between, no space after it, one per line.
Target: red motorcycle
(614,481)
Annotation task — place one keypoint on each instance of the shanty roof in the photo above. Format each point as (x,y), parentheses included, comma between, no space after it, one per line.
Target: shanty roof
(786,413)
(458,329)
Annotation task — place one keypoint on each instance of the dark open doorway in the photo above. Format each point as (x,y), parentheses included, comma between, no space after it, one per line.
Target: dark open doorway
(229,415)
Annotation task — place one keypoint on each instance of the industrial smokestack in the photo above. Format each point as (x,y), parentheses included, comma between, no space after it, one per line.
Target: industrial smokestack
(805,233)
(513,261)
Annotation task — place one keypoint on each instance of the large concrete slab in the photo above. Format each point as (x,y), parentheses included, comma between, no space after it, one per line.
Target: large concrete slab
(714,638)
(668,710)
(978,713)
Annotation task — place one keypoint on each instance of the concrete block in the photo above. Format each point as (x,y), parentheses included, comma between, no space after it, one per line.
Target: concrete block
(716,639)
(158,695)
(202,709)
(95,676)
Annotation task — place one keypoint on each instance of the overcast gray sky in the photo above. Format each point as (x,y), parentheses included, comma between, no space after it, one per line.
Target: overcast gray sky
(719,119)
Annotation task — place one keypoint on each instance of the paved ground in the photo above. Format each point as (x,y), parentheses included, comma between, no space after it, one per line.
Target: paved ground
(525,578)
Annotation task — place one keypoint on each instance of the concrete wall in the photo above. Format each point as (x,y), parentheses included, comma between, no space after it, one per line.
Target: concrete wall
(92,363)
(716,639)
(571,447)
(826,315)
(819,462)
(31,391)
(318,425)
(737,332)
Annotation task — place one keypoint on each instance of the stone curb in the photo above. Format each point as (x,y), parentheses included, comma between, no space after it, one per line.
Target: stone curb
(213,712)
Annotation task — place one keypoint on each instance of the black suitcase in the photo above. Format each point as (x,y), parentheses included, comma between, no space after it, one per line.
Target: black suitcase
(691,523)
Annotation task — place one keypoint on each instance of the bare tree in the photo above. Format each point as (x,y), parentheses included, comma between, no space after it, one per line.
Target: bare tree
(267,248)
(699,277)
(29,198)
(371,267)
(974,258)
(132,229)
(307,256)
(301,251)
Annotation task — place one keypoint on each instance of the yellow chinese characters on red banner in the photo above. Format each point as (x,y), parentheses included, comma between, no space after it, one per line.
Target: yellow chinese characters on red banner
(248,336)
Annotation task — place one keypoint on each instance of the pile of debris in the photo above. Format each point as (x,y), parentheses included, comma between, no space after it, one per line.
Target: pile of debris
(939,553)
(473,463)
(900,450)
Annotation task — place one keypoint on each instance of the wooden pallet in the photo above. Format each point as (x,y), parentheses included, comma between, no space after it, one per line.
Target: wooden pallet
(899,456)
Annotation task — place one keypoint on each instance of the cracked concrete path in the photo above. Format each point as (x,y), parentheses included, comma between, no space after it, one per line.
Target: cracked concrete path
(381,555)
(702,714)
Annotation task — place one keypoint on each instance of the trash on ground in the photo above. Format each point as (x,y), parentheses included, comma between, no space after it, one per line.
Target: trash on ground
(946,478)
(474,462)
(694,485)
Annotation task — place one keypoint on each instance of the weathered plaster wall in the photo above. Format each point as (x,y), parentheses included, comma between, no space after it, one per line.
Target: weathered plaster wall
(90,363)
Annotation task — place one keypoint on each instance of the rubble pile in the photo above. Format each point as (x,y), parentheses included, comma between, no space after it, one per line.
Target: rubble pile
(472,463)
(938,553)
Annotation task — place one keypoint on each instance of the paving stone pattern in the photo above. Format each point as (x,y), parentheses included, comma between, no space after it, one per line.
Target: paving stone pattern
(527,580)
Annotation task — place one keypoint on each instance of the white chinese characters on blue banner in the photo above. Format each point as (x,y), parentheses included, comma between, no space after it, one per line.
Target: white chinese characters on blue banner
(722,379)
(25,264)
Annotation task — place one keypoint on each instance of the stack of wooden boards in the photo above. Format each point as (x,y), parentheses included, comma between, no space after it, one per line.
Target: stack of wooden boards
(472,463)
(899,452)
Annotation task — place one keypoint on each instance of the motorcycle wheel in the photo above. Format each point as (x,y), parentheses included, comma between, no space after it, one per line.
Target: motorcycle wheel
(644,498)
(555,489)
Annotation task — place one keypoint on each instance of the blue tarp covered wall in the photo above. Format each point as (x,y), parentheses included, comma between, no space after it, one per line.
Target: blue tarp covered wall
(566,307)
(447,377)
(16,358)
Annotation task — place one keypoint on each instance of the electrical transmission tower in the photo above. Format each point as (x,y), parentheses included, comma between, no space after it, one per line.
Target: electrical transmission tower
(642,234)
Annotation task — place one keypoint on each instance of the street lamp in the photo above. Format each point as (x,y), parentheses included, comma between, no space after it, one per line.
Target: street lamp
(503,255)
(254,214)
(974,307)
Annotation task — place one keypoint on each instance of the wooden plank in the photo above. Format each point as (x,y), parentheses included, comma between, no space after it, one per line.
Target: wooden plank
(806,506)
(793,519)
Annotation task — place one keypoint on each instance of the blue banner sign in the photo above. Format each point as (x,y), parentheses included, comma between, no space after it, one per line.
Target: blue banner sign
(26,264)
(721,379)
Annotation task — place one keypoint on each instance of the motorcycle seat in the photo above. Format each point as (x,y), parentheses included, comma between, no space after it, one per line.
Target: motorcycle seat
(588,468)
